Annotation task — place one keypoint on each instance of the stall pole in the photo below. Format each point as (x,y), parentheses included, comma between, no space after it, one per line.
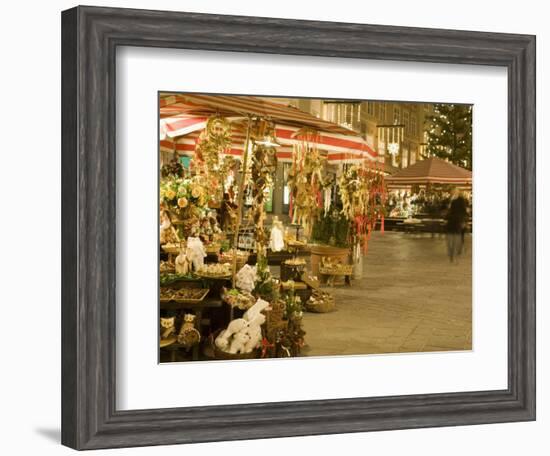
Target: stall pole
(240,198)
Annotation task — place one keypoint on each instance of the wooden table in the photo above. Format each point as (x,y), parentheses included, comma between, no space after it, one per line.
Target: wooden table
(411,227)
(198,309)
(331,276)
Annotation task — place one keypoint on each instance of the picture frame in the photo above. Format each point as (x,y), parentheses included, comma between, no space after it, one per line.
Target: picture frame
(90,36)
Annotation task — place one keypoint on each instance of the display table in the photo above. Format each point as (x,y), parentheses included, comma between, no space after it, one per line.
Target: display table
(276,258)
(411,226)
(332,275)
(197,309)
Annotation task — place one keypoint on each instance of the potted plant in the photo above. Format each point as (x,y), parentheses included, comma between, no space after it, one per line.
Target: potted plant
(330,237)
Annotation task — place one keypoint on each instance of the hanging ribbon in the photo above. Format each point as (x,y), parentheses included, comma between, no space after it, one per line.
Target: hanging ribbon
(265,346)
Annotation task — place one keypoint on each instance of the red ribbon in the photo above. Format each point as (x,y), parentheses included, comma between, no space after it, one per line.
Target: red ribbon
(265,346)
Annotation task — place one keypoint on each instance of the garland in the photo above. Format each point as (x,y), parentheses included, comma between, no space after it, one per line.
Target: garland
(362,191)
(306,181)
(214,140)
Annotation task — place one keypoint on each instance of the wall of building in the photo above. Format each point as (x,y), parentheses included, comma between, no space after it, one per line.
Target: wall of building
(366,117)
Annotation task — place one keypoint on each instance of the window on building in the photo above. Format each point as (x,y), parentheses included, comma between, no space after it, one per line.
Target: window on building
(371,108)
(414,126)
(404,158)
(349,113)
(382,112)
(406,121)
(395,160)
(381,148)
(413,153)
(396,115)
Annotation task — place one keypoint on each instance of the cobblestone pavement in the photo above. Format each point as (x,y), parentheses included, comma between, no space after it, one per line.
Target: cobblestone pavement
(411,298)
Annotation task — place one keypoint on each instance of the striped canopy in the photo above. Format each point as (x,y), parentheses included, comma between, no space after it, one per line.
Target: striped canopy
(183,117)
(432,170)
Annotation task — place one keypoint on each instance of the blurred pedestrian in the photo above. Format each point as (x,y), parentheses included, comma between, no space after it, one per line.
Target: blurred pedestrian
(456,224)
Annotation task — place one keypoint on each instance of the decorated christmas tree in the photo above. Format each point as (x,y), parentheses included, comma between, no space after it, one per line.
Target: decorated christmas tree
(449,134)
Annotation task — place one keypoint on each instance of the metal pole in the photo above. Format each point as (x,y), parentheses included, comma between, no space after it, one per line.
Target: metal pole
(240,198)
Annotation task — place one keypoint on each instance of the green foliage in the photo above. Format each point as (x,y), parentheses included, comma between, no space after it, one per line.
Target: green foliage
(168,278)
(174,168)
(265,287)
(449,134)
(225,245)
(293,305)
(332,229)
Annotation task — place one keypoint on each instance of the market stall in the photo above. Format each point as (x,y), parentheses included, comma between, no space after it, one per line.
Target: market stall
(218,161)
(430,171)
(418,196)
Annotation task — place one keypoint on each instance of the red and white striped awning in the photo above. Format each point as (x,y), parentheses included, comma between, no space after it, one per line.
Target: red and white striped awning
(172,127)
(181,125)
(183,117)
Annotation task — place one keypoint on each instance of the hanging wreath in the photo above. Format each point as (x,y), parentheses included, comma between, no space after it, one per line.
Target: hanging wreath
(306,180)
(213,142)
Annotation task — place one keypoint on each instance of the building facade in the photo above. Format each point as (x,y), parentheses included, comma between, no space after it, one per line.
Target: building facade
(394,129)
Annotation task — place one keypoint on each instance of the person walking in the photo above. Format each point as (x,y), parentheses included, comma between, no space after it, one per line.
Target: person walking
(456,224)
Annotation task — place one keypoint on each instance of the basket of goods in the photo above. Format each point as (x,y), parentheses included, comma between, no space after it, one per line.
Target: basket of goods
(166,294)
(320,302)
(167,266)
(224,353)
(291,285)
(168,278)
(213,247)
(188,335)
(171,247)
(310,281)
(295,262)
(242,338)
(333,266)
(183,295)
(214,271)
(237,298)
(295,244)
(190,295)
(227,257)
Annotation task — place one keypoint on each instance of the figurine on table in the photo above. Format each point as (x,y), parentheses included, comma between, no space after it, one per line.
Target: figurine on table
(276,242)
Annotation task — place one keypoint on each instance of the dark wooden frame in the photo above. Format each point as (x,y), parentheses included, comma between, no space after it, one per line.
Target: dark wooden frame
(89,39)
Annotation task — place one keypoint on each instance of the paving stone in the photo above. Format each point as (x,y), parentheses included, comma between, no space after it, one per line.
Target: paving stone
(411,298)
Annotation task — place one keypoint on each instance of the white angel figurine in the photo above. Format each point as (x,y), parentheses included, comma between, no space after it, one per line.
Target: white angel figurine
(246,278)
(195,252)
(182,263)
(276,241)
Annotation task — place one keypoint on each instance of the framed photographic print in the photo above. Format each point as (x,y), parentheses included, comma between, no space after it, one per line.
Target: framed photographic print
(279,228)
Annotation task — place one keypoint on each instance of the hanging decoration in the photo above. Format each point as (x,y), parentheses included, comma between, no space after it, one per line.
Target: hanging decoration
(213,142)
(306,180)
(362,191)
(263,168)
(185,199)
(391,136)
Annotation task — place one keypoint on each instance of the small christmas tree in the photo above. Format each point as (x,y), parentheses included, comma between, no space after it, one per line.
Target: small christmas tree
(449,134)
